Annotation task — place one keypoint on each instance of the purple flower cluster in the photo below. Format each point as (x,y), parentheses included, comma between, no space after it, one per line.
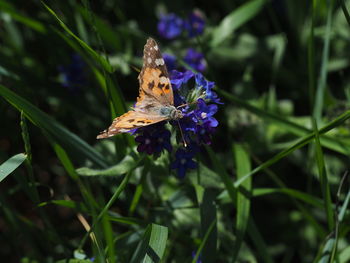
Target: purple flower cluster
(153,139)
(199,104)
(195,60)
(171,26)
(192,58)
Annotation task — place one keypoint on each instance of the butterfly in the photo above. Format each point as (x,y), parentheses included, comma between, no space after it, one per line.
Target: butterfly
(156,99)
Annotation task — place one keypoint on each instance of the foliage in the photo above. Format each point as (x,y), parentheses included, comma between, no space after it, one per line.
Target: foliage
(264,180)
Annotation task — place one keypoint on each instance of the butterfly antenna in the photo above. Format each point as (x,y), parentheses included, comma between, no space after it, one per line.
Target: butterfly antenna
(135,68)
(182,135)
(186,104)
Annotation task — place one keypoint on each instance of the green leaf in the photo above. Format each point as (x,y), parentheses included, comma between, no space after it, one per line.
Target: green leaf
(326,252)
(74,261)
(322,82)
(341,146)
(115,196)
(204,241)
(124,220)
(345,11)
(243,166)
(73,144)
(344,207)
(152,247)
(236,19)
(27,21)
(11,164)
(300,143)
(323,180)
(309,199)
(344,256)
(103,62)
(253,231)
(121,168)
(77,206)
(208,216)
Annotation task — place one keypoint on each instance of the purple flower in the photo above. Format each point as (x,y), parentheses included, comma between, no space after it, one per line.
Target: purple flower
(153,139)
(198,123)
(195,60)
(146,142)
(178,78)
(162,138)
(187,123)
(204,132)
(199,260)
(170,26)
(195,24)
(170,61)
(208,86)
(204,121)
(183,162)
(204,113)
(194,96)
(73,76)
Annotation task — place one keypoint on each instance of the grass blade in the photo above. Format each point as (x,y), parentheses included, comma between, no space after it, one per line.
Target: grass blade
(103,62)
(324,180)
(332,143)
(234,20)
(344,256)
(11,164)
(300,143)
(16,15)
(243,166)
(253,231)
(121,168)
(204,241)
(208,216)
(345,11)
(321,87)
(326,251)
(152,247)
(76,146)
(115,196)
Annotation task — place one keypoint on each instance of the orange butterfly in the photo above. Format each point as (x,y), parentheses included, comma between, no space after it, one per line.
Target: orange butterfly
(156,100)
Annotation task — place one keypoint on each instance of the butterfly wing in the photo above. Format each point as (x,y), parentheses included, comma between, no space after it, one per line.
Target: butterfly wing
(155,94)
(155,86)
(129,121)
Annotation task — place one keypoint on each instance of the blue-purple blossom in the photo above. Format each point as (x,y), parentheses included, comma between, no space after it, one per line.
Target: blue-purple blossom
(195,24)
(153,139)
(208,86)
(73,76)
(193,95)
(205,113)
(204,132)
(170,26)
(183,162)
(170,61)
(178,78)
(195,60)
(199,260)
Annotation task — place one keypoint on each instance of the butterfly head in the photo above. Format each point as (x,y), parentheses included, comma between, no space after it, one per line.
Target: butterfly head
(177,114)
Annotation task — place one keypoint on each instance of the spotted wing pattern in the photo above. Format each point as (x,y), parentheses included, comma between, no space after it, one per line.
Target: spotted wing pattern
(155,93)
(154,78)
(129,121)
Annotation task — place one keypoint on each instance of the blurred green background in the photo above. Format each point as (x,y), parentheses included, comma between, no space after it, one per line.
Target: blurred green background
(268,189)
